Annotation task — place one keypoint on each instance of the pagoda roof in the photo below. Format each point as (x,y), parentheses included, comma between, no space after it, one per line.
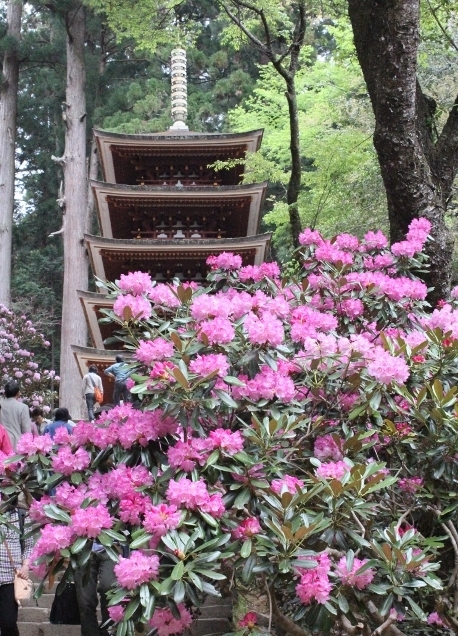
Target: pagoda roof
(168,259)
(122,210)
(117,149)
(92,303)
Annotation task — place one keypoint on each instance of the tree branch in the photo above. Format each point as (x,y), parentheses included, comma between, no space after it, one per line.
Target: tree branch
(283,621)
(244,30)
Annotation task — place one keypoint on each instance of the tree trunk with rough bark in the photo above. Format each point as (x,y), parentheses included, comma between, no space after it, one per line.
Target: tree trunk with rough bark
(417,168)
(294,185)
(75,218)
(8,113)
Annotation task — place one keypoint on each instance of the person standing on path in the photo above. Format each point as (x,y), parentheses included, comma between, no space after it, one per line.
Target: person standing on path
(38,417)
(14,415)
(15,554)
(120,371)
(91,380)
(99,579)
(61,418)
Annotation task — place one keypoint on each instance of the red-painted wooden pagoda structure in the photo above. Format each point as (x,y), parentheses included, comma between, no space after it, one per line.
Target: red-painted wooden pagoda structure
(163,208)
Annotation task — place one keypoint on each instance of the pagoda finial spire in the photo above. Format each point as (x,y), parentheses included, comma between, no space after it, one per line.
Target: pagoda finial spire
(179,90)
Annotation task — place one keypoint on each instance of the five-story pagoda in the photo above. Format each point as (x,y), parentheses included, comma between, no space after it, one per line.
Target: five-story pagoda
(163,208)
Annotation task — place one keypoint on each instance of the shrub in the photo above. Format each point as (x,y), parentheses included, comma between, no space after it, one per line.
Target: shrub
(296,435)
(18,340)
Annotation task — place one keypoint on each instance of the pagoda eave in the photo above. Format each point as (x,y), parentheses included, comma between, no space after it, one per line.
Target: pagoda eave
(168,259)
(93,303)
(234,208)
(173,145)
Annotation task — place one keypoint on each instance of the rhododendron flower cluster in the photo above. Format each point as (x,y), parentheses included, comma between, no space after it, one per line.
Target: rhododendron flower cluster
(314,583)
(353,577)
(166,624)
(194,495)
(137,569)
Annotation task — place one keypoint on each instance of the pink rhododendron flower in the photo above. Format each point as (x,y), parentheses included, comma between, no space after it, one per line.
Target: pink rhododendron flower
(225,260)
(310,237)
(287,483)
(386,368)
(206,364)
(68,461)
(135,283)
(185,455)
(264,330)
(326,447)
(138,568)
(347,242)
(314,584)
(89,522)
(163,295)
(166,624)
(329,252)
(435,619)
(70,497)
(132,507)
(212,306)
(161,518)
(53,537)
(194,495)
(268,385)
(352,307)
(250,620)
(332,470)
(140,307)
(248,528)
(218,331)
(116,613)
(352,578)
(150,350)
(227,441)
(259,272)
(28,444)
(410,484)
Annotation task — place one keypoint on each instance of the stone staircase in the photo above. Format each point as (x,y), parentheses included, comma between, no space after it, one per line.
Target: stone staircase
(34,618)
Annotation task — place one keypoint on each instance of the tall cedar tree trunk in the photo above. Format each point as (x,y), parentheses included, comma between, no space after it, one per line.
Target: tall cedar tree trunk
(417,169)
(284,57)
(8,113)
(75,223)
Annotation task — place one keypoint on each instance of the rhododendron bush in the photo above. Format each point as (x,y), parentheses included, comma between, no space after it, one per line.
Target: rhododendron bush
(18,339)
(297,436)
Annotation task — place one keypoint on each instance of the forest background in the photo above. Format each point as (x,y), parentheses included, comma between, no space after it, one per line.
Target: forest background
(231,88)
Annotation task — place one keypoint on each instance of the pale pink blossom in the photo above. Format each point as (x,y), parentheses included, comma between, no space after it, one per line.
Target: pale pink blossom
(352,577)
(139,307)
(332,470)
(135,283)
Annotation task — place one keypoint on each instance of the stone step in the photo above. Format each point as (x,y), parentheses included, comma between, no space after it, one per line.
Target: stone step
(45,601)
(46,629)
(33,614)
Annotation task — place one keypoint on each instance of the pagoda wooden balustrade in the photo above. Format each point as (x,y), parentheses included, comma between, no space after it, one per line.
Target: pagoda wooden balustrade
(178,234)
(180,182)
(185,176)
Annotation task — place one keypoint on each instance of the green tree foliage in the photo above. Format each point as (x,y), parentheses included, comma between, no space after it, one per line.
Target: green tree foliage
(341,184)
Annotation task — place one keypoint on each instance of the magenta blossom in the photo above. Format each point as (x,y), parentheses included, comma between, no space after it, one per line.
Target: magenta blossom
(166,624)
